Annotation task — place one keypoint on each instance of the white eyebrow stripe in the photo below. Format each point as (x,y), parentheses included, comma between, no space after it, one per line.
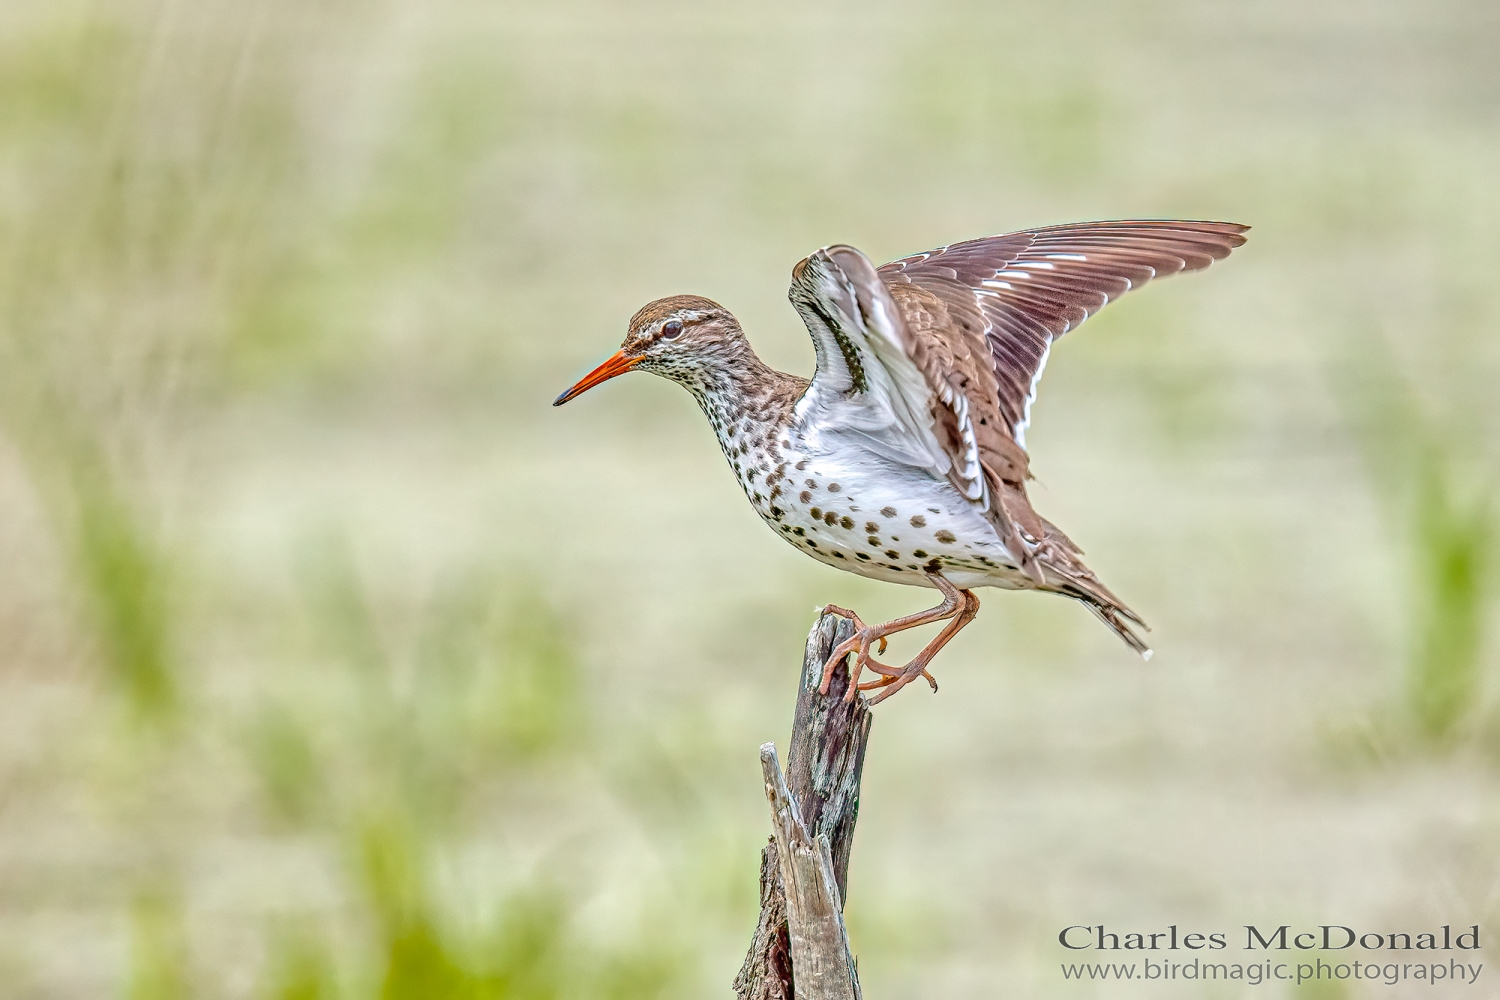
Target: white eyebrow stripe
(1065,256)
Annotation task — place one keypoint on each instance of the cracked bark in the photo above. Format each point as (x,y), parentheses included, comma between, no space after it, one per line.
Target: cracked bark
(800,950)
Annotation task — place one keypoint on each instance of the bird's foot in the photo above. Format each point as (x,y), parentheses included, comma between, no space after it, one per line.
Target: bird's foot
(859,644)
(834,609)
(959,606)
(893,680)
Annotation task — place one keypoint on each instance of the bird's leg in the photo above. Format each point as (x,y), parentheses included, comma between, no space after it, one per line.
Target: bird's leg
(834,609)
(859,643)
(918,666)
(960,603)
(864,636)
(890,675)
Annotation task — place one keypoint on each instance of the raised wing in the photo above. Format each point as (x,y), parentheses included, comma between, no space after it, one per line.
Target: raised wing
(1024,290)
(890,375)
(868,384)
(933,359)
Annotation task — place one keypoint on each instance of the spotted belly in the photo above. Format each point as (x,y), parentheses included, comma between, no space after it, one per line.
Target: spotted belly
(880,520)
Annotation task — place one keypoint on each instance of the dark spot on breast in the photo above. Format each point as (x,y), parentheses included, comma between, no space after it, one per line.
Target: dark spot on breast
(911,567)
(919,554)
(777,512)
(812,484)
(786,527)
(871,527)
(946,537)
(798,532)
(861,555)
(812,543)
(838,555)
(757,497)
(918,521)
(887,512)
(933,566)
(805,497)
(816,513)
(801,465)
(830,518)
(786,443)
(892,554)
(874,540)
(833,487)
(846,523)
(752,474)
(775,492)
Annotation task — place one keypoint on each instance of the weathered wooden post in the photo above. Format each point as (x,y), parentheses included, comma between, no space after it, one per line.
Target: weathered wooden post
(800,950)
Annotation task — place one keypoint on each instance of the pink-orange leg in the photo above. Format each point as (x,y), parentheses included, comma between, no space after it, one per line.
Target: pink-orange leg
(958,605)
(897,679)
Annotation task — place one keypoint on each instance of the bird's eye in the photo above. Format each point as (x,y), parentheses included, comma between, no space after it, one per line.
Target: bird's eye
(670,329)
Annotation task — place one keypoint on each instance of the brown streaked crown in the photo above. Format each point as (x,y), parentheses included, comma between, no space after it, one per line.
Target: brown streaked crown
(659,310)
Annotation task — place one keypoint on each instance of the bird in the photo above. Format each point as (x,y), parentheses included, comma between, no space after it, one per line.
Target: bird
(903,459)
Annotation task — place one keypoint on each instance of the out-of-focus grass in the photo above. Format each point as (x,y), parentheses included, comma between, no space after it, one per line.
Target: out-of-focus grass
(1454,537)
(1436,484)
(484,686)
(159,960)
(298,966)
(1321,989)
(125,575)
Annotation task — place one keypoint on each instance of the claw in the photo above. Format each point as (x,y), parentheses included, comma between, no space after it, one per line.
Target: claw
(843,649)
(959,606)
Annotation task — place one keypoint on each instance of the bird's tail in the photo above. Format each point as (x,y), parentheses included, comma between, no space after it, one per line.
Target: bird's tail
(1068,575)
(1119,618)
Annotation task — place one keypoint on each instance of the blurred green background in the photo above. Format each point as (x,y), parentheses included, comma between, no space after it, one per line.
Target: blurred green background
(334,663)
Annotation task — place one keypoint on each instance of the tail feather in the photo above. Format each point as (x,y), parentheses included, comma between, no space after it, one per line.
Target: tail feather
(1060,557)
(1111,615)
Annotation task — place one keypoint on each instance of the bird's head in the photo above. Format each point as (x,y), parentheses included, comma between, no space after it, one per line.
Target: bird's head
(683,337)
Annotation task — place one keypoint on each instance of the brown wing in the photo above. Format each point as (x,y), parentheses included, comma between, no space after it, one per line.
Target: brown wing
(1023,290)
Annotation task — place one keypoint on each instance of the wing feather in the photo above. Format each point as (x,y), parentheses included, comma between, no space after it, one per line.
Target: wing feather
(933,360)
(867,383)
(1029,288)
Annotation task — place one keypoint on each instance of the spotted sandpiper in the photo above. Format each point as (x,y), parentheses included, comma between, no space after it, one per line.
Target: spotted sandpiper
(904,458)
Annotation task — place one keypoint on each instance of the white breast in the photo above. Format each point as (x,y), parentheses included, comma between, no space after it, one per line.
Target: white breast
(858,511)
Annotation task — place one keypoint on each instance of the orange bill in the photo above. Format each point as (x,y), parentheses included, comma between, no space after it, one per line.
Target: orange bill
(618,364)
